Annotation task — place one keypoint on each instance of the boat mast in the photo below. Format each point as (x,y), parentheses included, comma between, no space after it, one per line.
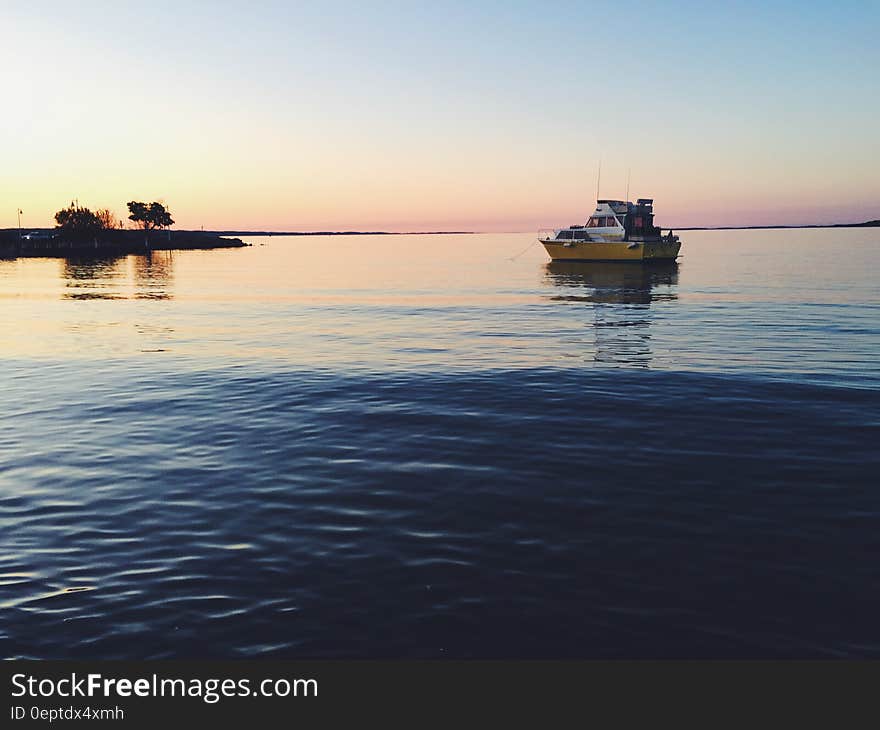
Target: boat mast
(598,179)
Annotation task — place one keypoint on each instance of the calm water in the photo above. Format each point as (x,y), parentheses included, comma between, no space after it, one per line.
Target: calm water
(415,446)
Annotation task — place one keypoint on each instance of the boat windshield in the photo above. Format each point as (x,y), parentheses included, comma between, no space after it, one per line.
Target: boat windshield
(601,221)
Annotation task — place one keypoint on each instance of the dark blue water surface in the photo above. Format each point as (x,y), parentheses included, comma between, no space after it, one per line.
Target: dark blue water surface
(203,455)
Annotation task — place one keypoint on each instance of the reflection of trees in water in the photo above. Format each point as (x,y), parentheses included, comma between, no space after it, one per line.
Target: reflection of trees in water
(104,277)
(154,275)
(92,277)
(621,295)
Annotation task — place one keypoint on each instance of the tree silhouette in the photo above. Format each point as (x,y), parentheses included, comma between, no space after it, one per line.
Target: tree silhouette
(77,223)
(107,219)
(151,216)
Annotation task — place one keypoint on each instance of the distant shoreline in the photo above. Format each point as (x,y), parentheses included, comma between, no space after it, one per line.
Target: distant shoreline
(341,233)
(6,232)
(866,224)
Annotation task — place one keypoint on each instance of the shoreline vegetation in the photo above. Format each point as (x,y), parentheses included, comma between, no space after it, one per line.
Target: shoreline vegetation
(82,232)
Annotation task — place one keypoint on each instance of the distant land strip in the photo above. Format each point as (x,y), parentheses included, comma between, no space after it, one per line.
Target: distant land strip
(6,232)
(866,224)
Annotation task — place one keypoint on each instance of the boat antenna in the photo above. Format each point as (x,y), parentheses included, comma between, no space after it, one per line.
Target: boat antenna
(598,179)
(628,171)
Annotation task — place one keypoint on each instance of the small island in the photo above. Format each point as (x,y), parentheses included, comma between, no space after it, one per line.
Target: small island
(81,231)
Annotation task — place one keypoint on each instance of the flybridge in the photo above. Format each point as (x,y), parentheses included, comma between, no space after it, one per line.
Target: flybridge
(623,206)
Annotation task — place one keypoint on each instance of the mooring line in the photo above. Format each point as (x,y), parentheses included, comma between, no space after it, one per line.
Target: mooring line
(514,258)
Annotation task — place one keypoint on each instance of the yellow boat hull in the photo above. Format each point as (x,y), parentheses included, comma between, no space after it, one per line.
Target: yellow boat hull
(612,250)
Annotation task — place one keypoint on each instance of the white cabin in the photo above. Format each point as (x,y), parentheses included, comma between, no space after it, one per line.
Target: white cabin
(605,224)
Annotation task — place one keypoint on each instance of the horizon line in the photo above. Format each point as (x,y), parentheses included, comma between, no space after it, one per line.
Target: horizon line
(874,223)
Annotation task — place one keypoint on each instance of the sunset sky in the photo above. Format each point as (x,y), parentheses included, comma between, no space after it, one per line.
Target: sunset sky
(485,116)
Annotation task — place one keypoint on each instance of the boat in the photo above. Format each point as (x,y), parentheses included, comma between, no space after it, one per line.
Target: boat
(617,230)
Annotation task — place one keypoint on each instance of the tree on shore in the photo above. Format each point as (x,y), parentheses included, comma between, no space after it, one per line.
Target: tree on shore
(77,223)
(108,220)
(149,217)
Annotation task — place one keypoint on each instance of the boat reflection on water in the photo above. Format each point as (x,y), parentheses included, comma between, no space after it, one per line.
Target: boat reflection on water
(621,295)
(614,283)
